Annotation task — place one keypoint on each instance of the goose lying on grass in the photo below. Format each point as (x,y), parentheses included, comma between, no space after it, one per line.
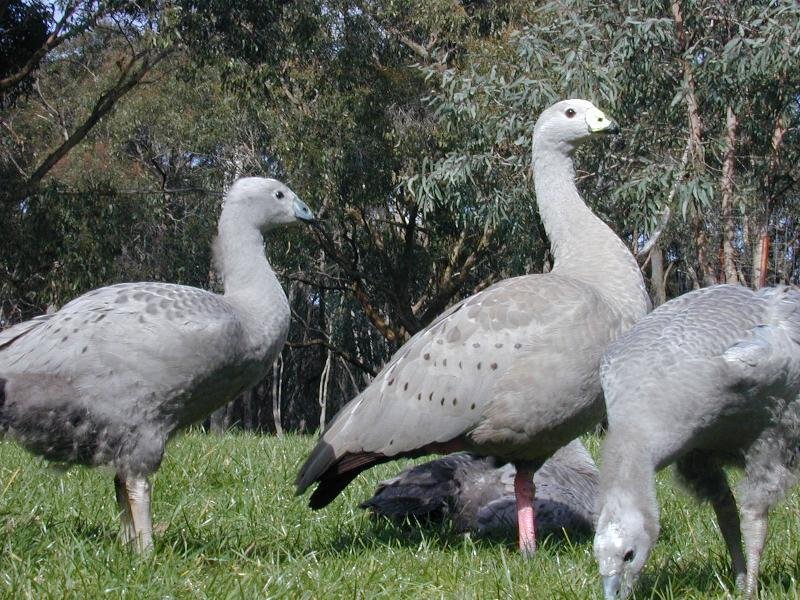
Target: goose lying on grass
(513,371)
(706,380)
(109,378)
(476,494)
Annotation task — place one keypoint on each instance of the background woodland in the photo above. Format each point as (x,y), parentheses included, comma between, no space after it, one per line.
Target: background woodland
(406,126)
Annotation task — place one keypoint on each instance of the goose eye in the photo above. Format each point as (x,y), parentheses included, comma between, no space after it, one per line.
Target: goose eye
(279,194)
(570,112)
(628,556)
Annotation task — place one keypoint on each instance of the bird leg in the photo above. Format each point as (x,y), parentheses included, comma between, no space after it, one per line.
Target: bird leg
(127,533)
(754,532)
(703,475)
(525,491)
(138,493)
(728,520)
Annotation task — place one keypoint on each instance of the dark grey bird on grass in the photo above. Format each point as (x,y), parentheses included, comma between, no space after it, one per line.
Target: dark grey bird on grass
(476,494)
(706,380)
(111,376)
(513,371)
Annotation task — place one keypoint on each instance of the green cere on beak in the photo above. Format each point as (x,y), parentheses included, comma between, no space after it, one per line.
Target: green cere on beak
(301,210)
(597,122)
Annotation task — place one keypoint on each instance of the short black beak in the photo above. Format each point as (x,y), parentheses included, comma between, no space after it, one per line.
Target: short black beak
(613,129)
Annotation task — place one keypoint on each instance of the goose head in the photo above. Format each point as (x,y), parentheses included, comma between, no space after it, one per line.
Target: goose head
(567,124)
(266,203)
(622,544)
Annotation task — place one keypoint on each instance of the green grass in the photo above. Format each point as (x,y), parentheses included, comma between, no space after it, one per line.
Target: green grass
(228,526)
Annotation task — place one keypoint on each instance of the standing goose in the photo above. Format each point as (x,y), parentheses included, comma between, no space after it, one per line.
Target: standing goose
(110,377)
(476,494)
(708,379)
(511,372)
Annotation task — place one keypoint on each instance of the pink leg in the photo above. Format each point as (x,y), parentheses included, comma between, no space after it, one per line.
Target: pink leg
(526,518)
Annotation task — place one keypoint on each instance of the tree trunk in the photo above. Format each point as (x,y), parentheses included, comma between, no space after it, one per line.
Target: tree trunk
(763,259)
(322,396)
(658,281)
(728,225)
(696,152)
(707,271)
(761,255)
(277,390)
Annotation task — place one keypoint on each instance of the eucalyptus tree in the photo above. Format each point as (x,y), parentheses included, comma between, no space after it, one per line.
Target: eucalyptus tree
(407,126)
(707,94)
(722,80)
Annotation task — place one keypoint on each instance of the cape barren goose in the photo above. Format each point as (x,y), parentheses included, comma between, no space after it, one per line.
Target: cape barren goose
(112,375)
(476,494)
(511,372)
(708,379)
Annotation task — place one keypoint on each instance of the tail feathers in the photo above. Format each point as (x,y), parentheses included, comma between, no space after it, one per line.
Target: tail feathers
(337,458)
(340,474)
(321,459)
(332,473)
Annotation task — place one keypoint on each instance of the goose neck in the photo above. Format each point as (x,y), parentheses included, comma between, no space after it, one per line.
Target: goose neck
(583,246)
(629,469)
(565,216)
(242,264)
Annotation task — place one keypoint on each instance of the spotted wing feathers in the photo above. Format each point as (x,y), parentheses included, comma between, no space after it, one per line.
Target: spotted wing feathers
(442,384)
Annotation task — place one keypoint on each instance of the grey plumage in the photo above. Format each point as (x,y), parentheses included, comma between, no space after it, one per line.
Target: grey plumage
(476,494)
(706,380)
(111,376)
(512,371)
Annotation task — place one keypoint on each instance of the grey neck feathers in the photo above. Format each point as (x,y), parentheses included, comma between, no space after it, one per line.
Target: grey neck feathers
(249,281)
(628,478)
(582,245)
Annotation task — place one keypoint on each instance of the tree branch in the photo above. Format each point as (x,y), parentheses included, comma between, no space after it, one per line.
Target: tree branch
(131,74)
(357,281)
(53,41)
(338,351)
(450,287)
(666,215)
(378,321)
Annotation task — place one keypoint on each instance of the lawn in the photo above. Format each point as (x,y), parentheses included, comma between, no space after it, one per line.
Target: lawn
(228,526)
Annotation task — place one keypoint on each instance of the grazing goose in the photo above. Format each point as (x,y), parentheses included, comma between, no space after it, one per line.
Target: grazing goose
(511,372)
(477,494)
(111,376)
(708,379)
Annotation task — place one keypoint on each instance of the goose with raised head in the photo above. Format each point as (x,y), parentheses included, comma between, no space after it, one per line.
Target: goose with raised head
(476,494)
(111,376)
(511,372)
(708,379)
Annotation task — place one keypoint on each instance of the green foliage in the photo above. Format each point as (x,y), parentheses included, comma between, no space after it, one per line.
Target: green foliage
(63,243)
(23,29)
(406,126)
